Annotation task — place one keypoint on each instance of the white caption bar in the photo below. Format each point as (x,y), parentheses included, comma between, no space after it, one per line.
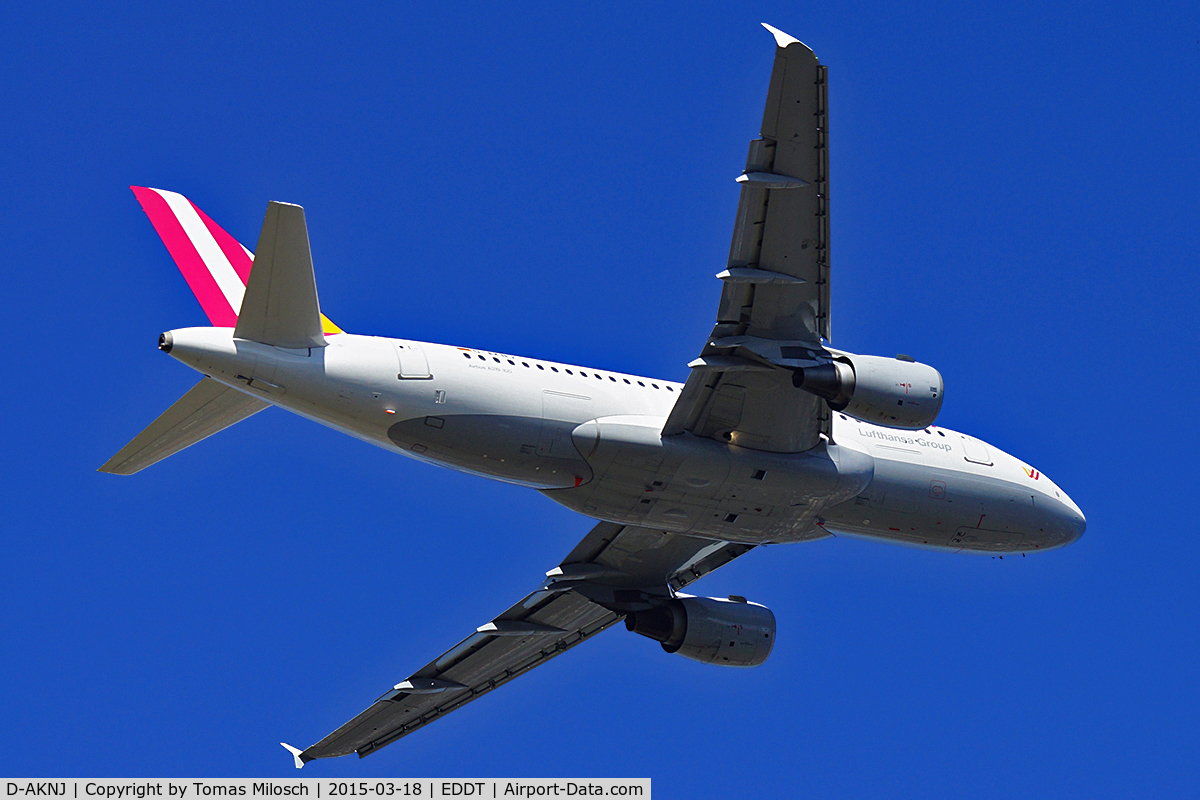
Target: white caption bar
(207,789)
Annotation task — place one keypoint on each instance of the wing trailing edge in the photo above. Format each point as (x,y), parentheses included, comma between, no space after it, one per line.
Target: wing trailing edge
(583,596)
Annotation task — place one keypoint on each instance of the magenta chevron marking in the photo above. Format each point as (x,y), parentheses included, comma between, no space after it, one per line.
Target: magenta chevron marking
(206,246)
(238,256)
(201,281)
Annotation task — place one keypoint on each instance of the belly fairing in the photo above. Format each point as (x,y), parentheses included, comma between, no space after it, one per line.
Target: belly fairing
(688,484)
(501,447)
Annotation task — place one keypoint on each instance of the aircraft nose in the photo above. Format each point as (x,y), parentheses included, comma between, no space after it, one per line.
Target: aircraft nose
(1071,518)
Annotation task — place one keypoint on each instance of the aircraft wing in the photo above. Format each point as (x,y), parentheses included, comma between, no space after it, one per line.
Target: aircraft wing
(774,308)
(614,570)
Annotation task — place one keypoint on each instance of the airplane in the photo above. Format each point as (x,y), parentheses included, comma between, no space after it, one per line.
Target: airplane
(775,437)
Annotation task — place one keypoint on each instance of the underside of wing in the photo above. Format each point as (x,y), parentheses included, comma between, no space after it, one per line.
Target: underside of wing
(541,626)
(628,556)
(774,308)
(615,570)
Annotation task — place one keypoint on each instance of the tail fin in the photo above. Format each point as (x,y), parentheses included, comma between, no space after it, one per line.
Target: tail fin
(214,264)
(207,409)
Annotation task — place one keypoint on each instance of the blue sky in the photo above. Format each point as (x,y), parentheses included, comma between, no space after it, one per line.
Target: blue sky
(1013,201)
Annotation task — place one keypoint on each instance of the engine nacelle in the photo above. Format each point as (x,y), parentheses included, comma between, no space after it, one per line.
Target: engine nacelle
(897,392)
(730,633)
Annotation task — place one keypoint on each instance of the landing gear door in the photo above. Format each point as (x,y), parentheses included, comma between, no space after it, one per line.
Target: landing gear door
(413,364)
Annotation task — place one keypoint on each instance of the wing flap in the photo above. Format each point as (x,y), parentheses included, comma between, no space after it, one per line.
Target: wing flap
(648,558)
(208,408)
(480,663)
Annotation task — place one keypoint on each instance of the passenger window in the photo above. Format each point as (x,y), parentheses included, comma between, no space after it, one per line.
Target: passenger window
(525,365)
(611,378)
(627,381)
(569,372)
(655,385)
(510,361)
(554,369)
(641,384)
(539,366)
(466,355)
(670,389)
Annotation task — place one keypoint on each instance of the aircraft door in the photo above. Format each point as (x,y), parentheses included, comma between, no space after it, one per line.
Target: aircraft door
(413,363)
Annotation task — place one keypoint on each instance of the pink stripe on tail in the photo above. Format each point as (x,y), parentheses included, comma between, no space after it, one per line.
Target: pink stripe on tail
(201,282)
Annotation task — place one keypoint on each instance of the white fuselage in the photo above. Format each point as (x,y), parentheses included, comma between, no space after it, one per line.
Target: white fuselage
(590,439)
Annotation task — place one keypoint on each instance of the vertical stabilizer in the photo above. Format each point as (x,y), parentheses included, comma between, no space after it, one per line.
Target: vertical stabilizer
(215,265)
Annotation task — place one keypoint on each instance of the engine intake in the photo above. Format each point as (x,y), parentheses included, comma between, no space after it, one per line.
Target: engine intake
(896,392)
(730,633)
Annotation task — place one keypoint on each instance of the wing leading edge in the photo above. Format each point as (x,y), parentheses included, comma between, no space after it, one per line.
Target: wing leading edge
(611,572)
(774,308)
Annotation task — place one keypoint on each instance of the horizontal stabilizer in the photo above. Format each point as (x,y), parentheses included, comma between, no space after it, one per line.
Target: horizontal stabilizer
(280,306)
(208,408)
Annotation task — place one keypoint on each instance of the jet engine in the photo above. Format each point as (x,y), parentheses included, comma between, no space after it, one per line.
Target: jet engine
(896,392)
(730,633)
